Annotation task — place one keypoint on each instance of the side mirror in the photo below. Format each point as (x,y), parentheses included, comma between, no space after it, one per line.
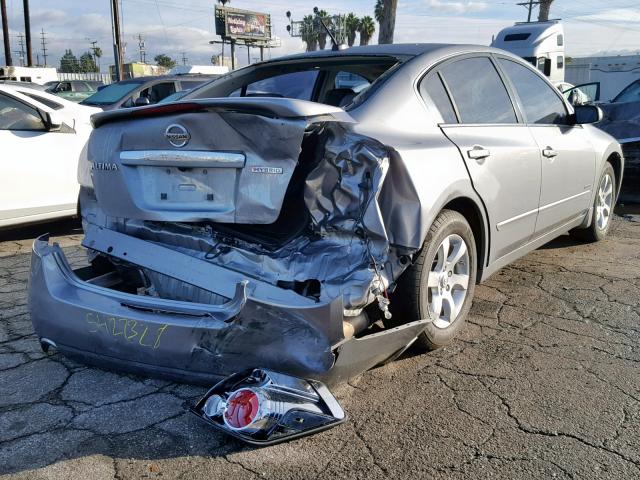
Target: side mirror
(53,121)
(142,102)
(586,114)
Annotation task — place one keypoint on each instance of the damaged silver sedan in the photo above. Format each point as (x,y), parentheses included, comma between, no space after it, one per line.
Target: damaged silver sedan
(299,221)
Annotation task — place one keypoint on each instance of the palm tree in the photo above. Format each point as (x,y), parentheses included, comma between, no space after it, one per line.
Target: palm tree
(97,53)
(545,7)
(309,34)
(387,21)
(352,23)
(366,28)
(378,11)
(322,15)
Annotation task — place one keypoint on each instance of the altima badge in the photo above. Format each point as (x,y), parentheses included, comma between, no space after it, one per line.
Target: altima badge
(108,167)
(177,135)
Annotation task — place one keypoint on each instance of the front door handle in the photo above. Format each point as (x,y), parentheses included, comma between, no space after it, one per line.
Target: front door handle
(549,152)
(478,153)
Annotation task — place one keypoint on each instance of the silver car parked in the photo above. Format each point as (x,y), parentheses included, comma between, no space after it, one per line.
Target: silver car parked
(315,215)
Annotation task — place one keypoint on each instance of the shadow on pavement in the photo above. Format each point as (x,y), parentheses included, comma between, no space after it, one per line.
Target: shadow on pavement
(68,226)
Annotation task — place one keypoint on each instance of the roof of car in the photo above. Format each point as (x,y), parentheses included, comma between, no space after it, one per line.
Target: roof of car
(394,49)
(181,76)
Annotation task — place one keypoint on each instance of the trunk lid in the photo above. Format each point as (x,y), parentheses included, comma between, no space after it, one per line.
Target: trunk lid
(227,160)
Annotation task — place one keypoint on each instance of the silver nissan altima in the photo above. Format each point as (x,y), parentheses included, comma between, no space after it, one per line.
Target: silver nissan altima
(298,221)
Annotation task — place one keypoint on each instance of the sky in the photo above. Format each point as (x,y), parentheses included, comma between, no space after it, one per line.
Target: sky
(176,26)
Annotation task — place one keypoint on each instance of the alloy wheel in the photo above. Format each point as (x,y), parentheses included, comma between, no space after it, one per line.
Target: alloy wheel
(604,202)
(448,281)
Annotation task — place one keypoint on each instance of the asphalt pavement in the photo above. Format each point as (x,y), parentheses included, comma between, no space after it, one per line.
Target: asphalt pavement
(543,383)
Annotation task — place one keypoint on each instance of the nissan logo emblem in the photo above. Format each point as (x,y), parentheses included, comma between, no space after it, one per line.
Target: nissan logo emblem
(177,135)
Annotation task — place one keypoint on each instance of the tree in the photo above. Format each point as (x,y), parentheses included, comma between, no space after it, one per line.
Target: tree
(97,53)
(68,62)
(366,28)
(165,61)
(322,16)
(545,7)
(309,34)
(378,11)
(352,23)
(388,21)
(87,63)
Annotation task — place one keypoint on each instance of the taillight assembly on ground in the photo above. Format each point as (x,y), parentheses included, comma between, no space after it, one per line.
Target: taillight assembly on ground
(262,407)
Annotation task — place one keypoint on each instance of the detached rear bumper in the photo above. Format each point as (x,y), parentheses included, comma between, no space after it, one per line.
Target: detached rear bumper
(178,340)
(191,342)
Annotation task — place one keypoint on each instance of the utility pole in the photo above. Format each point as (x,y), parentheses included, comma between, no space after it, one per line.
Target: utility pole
(117,45)
(143,50)
(184,58)
(530,6)
(5,33)
(43,42)
(21,43)
(27,31)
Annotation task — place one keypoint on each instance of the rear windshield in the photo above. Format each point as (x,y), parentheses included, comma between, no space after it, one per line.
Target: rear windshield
(630,94)
(112,93)
(339,81)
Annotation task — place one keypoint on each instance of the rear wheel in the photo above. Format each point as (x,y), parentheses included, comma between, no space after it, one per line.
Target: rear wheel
(602,208)
(440,283)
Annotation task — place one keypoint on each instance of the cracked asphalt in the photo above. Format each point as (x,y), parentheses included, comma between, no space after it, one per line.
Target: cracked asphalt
(543,383)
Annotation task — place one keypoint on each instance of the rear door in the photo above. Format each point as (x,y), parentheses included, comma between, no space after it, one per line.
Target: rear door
(500,153)
(568,157)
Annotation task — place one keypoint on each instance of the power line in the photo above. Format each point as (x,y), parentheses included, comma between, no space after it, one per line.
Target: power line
(142,48)
(530,6)
(21,43)
(43,42)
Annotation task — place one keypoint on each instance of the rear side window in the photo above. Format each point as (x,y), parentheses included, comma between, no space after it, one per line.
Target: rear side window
(433,89)
(478,91)
(540,102)
(42,100)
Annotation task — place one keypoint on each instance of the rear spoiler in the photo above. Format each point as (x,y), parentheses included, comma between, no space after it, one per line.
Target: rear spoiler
(264,106)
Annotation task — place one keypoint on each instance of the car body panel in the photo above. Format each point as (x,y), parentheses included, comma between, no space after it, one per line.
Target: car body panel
(43,164)
(321,211)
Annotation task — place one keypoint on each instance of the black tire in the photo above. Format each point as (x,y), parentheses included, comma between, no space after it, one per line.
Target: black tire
(410,301)
(594,233)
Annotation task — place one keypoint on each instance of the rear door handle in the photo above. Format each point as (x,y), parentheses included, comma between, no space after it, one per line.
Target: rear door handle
(478,153)
(549,152)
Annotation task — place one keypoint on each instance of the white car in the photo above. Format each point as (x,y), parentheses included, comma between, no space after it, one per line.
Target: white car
(42,137)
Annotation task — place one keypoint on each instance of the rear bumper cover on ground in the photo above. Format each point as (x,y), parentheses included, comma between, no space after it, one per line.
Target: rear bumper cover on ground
(194,342)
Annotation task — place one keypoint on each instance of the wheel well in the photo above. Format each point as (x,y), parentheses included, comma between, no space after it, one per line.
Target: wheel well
(616,162)
(470,211)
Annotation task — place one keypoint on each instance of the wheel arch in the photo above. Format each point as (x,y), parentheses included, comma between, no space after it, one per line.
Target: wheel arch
(474,214)
(615,159)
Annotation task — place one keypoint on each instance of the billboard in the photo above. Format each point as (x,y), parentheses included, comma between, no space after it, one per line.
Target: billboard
(243,24)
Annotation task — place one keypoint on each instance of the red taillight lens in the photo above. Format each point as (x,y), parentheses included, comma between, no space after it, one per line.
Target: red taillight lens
(242,408)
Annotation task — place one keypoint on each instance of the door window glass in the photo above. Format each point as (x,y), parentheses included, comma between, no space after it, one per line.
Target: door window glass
(15,115)
(539,100)
(81,87)
(157,92)
(478,91)
(432,88)
(290,85)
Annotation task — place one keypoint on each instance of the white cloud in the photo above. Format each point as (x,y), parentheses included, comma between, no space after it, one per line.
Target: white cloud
(458,7)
